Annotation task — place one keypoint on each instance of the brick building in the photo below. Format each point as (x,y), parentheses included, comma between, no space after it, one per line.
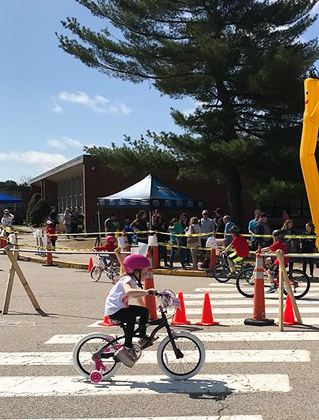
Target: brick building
(77,184)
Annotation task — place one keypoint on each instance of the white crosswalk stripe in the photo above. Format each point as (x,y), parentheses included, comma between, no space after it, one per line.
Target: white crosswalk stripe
(31,386)
(241,302)
(218,336)
(212,356)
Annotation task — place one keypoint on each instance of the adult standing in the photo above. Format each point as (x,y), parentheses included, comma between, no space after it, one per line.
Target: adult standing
(74,222)
(67,221)
(159,225)
(184,252)
(252,229)
(140,225)
(193,242)
(228,237)
(292,244)
(175,228)
(7,219)
(308,246)
(207,225)
(54,216)
(263,228)
(111,225)
(218,220)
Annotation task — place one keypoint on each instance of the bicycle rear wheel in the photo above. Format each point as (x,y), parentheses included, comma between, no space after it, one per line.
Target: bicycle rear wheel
(300,283)
(95,273)
(112,272)
(221,272)
(85,349)
(191,362)
(245,282)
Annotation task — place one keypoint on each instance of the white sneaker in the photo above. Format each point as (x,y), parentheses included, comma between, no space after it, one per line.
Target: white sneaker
(125,356)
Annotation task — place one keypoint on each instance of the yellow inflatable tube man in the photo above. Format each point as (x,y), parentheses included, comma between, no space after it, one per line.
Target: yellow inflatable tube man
(308,147)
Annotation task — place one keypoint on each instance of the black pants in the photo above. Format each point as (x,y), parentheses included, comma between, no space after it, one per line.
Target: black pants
(304,265)
(129,315)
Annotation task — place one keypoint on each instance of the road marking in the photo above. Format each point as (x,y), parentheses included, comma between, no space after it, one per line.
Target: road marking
(223,321)
(257,417)
(44,386)
(242,302)
(225,289)
(246,310)
(216,336)
(212,356)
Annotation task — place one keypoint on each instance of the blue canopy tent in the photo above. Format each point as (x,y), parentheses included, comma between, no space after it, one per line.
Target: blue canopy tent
(150,193)
(4,198)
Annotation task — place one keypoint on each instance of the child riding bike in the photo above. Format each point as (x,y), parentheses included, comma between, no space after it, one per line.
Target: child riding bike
(273,267)
(117,306)
(241,249)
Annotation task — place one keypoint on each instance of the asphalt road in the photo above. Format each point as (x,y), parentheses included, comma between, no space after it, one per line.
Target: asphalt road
(253,374)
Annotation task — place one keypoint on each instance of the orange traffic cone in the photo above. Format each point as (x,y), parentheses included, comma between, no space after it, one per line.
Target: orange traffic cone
(90,265)
(259,313)
(180,315)
(289,316)
(106,322)
(207,316)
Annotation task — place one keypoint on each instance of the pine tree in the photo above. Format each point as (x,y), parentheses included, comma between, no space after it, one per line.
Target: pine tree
(34,199)
(242,61)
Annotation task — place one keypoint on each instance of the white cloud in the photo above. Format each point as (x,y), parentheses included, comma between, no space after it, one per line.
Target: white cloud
(44,161)
(97,103)
(56,143)
(57,109)
(72,142)
(65,143)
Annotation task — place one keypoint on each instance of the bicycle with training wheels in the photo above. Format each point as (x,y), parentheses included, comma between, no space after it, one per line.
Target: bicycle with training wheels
(299,281)
(105,263)
(222,271)
(180,355)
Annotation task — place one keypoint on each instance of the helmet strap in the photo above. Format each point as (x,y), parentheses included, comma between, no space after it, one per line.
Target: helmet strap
(138,278)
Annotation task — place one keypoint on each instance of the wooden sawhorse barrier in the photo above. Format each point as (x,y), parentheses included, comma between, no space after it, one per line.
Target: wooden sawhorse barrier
(15,268)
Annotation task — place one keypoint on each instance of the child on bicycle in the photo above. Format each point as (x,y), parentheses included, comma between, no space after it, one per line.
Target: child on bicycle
(118,307)
(109,246)
(273,270)
(241,249)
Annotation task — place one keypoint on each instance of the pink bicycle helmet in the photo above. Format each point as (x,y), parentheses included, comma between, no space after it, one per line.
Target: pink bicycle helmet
(109,239)
(135,262)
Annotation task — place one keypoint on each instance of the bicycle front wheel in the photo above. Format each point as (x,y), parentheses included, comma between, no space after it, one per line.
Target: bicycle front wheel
(245,282)
(221,272)
(191,362)
(95,273)
(83,355)
(300,283)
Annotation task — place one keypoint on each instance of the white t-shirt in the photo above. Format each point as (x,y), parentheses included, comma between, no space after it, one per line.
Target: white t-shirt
(211,242)
(117,298)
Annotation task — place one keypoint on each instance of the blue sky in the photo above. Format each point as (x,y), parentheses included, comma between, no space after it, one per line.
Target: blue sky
(51,105)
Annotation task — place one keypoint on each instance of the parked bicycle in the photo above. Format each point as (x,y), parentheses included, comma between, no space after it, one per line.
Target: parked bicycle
(222,271)
(299,281)
(180,355)
(107,263)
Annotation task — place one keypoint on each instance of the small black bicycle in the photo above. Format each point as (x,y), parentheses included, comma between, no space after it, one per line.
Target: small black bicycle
(180,355)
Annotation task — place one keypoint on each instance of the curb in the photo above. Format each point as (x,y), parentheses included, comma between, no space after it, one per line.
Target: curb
(83,266)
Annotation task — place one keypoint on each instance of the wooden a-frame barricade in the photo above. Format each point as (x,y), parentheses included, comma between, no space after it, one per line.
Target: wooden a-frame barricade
(15,268)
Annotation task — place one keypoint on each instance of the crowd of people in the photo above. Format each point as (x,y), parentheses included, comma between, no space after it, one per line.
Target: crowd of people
(188,238)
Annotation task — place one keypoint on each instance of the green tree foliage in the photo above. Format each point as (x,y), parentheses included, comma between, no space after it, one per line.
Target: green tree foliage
(242,62)
(39,212)
(34,199)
